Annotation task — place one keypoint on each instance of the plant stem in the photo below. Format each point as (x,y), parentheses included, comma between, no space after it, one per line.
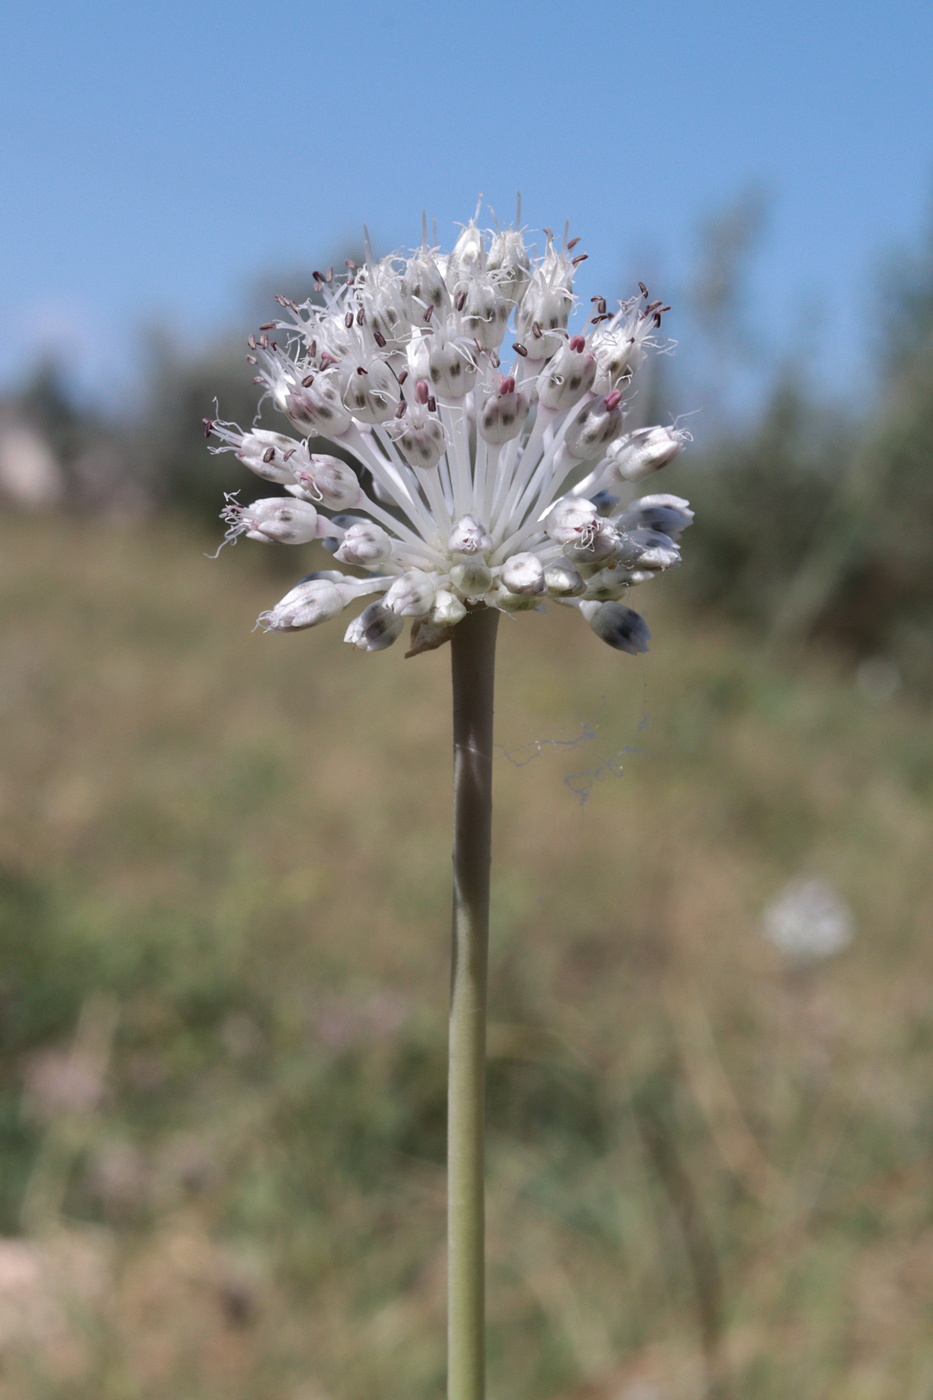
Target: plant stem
(473,647)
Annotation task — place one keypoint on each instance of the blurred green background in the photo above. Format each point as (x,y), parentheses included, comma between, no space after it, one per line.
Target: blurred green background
(223,905)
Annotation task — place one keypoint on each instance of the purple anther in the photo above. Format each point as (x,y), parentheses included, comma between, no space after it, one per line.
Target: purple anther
(422,391)
(507,384)
(612,400)
(577,343)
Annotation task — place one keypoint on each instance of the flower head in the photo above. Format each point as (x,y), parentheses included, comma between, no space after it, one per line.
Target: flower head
(478,466)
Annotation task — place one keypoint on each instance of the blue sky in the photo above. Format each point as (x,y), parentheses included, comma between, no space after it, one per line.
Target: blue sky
(157,158)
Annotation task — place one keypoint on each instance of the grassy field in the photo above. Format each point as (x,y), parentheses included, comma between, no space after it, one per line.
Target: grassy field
(223,978)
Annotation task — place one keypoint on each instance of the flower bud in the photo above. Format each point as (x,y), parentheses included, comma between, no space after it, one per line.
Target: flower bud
(562,580)
(411,595)
(329,481)
(503,414)
(364,544)
(311,602)
(447,610)
(645,451)
(566,377)
(648,550)
(594,427)
(473,579)
(375,629)
(619,626)
(506,601)
(668,514)
(567,517)
(608,584)
(523,573)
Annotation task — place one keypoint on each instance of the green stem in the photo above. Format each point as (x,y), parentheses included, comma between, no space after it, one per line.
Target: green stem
(473,649)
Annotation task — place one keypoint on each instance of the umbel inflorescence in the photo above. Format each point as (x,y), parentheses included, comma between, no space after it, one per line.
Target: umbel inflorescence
(473,472)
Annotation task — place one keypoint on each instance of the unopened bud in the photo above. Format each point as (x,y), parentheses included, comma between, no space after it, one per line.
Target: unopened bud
(375,629)
(645,451)
(411,595)
(562,580)
(523,573)
(472,580)
(447,610)
(619,626)
(593,428)
(668,514)
(364,544)
(309,603)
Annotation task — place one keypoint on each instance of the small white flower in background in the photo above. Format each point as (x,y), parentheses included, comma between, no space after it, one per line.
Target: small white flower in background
(808,921)
(488,465)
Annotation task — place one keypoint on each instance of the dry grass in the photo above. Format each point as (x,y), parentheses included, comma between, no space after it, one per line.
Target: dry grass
(708,1171)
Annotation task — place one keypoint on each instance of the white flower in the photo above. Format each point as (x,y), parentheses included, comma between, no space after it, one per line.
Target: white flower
(808,921)
(481,464)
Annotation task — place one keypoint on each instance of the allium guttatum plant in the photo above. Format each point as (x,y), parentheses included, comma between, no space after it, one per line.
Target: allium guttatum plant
(484,457)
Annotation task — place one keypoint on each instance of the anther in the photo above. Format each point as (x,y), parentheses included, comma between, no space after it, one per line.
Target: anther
(360,316)
(612,400)
(402,376)
(348,320)
(208,426)
(520,350)
(572,244)
(269,455)
(432,404)
(576,343)
(380,339)
(361,370)
(422,391)
(536,330)
(307,381)
(581,257)
(269,326)
(400,409)
(643,289)
(251,342)
(507,384)
(429,312)
(460,300)
(251,360)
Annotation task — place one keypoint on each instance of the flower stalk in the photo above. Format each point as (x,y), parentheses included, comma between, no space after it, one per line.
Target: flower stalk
(473,649)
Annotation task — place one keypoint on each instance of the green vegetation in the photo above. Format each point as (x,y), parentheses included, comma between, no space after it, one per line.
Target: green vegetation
(223,981)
